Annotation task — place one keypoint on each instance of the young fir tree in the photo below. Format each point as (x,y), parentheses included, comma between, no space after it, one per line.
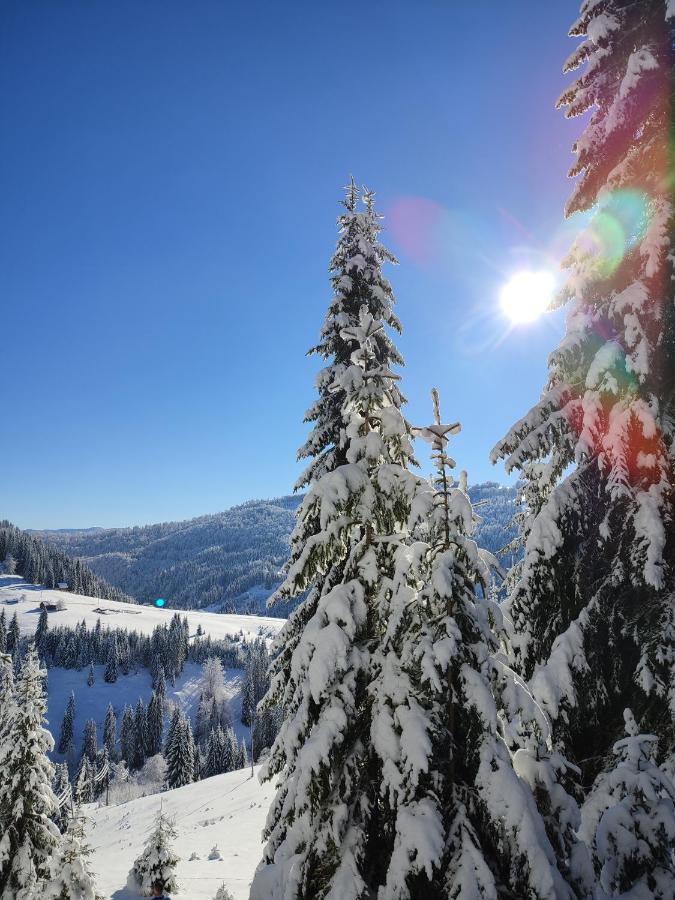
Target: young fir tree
(599,567)
(128,738)
(28,835)
(464,824)
(327,831)
(110,674)
(71,878)
(91,678)
(155,719)
(90,742)
(64,795)
(141,732)
(110,733)
(84,785)
(41,629)
(223,894)
(629,821)
(158,861)
(66,739)
(215,754)
(180,754)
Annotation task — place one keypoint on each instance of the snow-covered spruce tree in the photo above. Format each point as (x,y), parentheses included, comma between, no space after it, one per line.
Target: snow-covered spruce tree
(28,836)
(592,611)
(158,861)
(66,742)
(110,733)
(357,280)
(63,793)
(629,821)
(112,665)
(180,753)
(71,878)
(444,702)
(155,724)
(329,831)
(223,894)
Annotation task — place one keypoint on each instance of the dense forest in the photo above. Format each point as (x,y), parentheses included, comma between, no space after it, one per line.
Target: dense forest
(41,563)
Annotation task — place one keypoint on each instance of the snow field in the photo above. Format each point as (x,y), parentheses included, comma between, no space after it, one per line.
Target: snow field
(226,811)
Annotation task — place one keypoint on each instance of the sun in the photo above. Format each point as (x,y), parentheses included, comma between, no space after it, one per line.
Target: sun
(526,295)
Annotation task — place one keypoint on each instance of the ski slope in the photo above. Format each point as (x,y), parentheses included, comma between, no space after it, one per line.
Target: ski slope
(227,811)
(24,599)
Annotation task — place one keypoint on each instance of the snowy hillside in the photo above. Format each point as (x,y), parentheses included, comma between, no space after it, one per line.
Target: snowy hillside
(24,599)
(226,811)
(92,700)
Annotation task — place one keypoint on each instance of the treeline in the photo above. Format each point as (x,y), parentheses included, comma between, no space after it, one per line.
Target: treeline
(40,563)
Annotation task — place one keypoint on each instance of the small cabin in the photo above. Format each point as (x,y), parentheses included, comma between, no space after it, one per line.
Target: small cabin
(62,585)
(53,607)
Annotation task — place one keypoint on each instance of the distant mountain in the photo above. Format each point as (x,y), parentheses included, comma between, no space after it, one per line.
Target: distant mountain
(230,560)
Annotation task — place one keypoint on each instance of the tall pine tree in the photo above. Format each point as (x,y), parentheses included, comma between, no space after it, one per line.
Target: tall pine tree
(327,829)
(28,835)
(597,450)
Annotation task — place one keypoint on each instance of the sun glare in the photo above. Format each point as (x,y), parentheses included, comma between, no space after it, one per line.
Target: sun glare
(527,295)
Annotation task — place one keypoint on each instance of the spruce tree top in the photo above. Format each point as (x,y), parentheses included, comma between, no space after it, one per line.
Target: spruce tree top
(357,281)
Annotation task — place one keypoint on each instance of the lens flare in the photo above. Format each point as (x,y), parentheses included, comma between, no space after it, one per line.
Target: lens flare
(160,602)
(618,225)
(527,295)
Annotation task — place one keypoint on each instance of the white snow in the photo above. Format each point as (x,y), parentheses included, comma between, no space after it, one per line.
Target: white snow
(227,811)
(137,617)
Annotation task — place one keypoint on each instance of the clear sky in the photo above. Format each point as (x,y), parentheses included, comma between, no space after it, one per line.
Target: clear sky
(169,178)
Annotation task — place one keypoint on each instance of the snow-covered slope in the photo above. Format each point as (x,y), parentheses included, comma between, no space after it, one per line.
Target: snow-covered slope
(24,599)
(92,701)
(227,811)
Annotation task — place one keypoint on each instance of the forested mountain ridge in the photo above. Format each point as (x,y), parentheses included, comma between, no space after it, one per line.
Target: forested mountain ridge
(41,562)
(216,559)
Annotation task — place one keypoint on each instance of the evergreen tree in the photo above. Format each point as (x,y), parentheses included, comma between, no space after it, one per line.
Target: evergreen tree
(110,733)
(157,863)
(89,742)
(160,683)
(215,756)
(110,674)
(155,724)
(599,567)
(66,740)
(28,836)
(230,751)
(42,628)
(326,822)
(243,755)
(463,823)
(3,632)
(71,878)
(629,821)
(141,734)
(64,795)
(128,738)
(180,752)
(90,677)
(84,788)
(223,894)
(13,636)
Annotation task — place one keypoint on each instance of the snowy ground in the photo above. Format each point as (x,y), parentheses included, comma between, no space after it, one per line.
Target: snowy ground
(120,615)
(227,811)
(92,702)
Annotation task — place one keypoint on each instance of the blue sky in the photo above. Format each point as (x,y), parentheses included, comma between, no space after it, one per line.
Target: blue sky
(169,179)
